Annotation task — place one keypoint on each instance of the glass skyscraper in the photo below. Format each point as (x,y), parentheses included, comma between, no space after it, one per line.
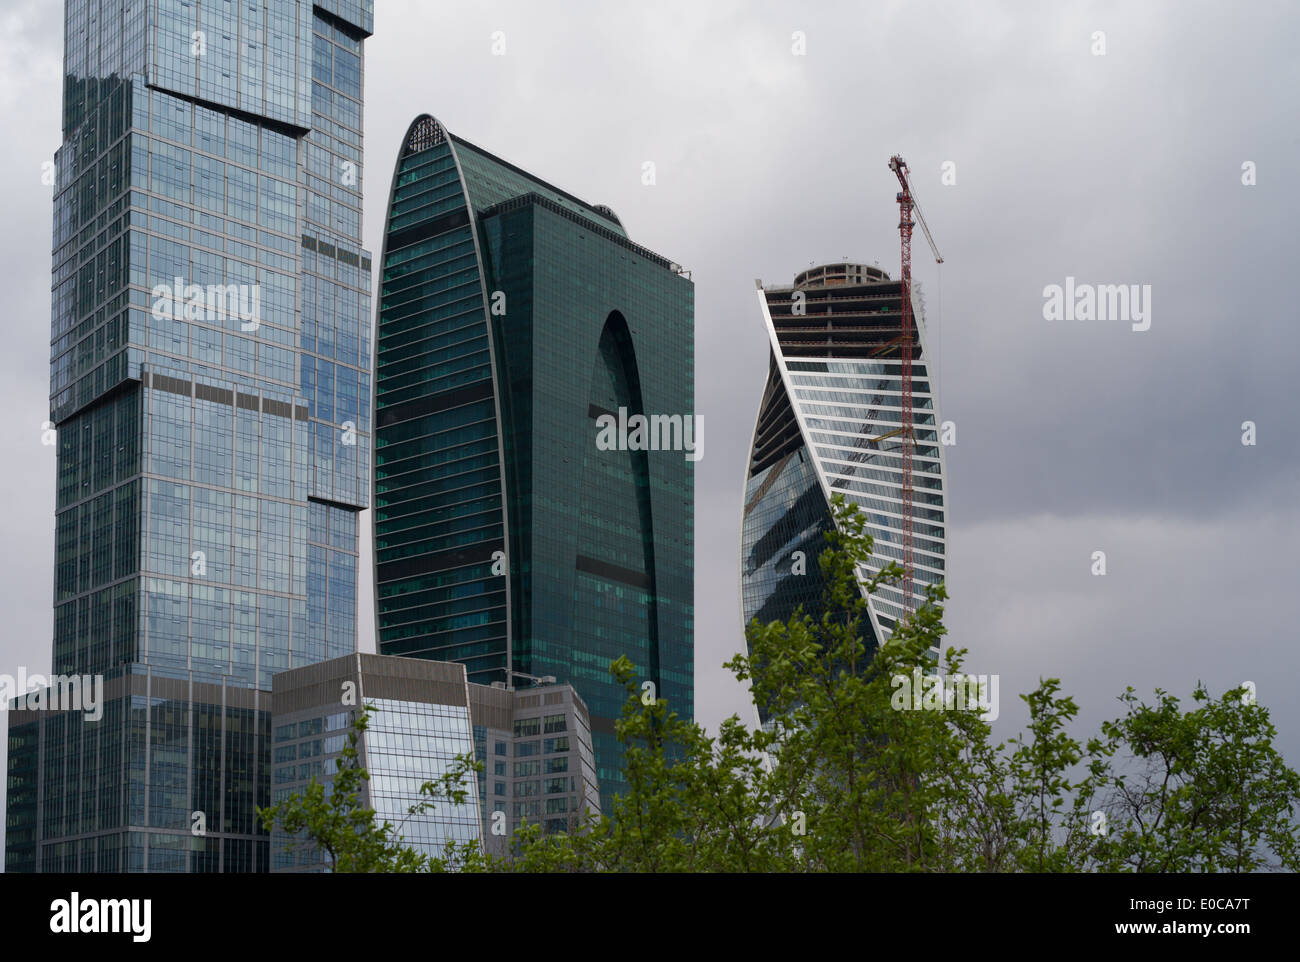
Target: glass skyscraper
(514,317)
(830,421)
(209,381)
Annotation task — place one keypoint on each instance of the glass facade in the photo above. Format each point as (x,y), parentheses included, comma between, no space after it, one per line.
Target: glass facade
(785,513)
(209,379)
(830,421)
(512,316)
(405,744)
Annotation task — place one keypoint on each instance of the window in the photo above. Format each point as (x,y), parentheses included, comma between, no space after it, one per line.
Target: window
(525,769)
(554,785)
(557,806)
(524,749)
(500,748)
(527,726)
(555,723)
(557,765)
(498,768)
(560,744)
(499,788)
(524,789)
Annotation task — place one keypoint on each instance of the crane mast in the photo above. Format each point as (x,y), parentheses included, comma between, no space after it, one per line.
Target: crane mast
(907,206)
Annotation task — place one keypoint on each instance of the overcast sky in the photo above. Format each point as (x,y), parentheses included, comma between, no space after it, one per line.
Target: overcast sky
(1072,436)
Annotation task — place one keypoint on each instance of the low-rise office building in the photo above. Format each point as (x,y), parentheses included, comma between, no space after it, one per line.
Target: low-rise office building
(534,745)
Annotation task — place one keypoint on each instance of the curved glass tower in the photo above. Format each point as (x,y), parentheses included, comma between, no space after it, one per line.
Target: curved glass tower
(512,317)
(830,421)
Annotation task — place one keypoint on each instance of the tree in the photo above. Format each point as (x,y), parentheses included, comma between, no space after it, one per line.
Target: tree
(1204,790)
(849,775)
(693,802)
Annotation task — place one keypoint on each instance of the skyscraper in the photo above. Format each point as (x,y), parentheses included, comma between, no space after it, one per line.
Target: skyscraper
(516,321)
(210,388)
(830,421)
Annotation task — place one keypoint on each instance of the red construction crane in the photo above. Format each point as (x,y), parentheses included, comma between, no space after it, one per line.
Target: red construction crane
(907,205)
